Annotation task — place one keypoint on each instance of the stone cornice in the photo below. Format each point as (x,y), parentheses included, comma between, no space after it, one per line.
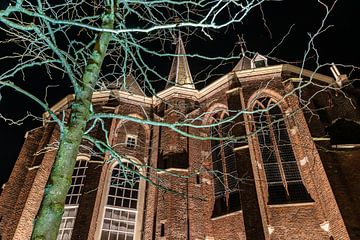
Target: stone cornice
(199,95)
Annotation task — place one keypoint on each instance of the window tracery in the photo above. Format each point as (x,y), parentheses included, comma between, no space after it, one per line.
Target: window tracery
(225,174)
(72,200)
(120,212)
(284,182)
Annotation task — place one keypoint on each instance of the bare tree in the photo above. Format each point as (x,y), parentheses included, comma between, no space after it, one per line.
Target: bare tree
(95,45)
(77,38)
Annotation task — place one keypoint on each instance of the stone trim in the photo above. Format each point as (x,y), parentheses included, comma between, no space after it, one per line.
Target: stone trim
(227,215)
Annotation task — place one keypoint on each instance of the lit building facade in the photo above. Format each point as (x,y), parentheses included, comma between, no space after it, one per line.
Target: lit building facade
(274,181)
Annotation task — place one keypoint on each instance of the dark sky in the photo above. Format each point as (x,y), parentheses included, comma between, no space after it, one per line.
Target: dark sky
(339,44)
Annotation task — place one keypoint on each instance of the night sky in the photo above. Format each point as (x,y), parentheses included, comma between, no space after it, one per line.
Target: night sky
(339,44)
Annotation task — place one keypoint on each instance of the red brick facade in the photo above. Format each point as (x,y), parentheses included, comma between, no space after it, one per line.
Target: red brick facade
(186,212)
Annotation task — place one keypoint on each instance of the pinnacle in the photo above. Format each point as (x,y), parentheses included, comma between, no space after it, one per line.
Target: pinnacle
(180,74)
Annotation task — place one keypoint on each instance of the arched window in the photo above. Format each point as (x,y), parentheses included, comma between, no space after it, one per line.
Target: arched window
(281,169)
(72,200)
(226,179)
(121,205)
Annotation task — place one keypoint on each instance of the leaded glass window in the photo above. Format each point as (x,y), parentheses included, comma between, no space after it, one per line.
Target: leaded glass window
(225,174)
(121,205)
(72,200)
(284,182)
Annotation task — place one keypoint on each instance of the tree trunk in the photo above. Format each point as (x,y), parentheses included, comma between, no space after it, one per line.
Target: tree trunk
(48,220)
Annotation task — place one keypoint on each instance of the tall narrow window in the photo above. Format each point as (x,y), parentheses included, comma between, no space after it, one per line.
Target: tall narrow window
(121,206)
(72,200)
(281,170)
(226,180)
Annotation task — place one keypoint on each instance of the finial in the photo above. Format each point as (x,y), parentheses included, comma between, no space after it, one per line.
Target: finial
(242,44)
(177,38)
(339,78)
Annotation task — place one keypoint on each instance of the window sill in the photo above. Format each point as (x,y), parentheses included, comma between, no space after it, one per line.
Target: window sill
(227,215)
(345,146)
(173,170)
(291,204)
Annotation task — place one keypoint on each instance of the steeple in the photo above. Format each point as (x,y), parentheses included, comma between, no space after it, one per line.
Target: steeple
(180,74)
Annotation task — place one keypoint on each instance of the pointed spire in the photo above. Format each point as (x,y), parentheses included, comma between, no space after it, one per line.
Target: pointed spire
(130,85)
(180,74)
(243,64)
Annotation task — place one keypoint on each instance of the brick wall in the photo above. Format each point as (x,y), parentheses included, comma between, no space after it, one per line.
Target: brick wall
(294,221)
(9,196)
(342,167)
(186,213)
(30,181)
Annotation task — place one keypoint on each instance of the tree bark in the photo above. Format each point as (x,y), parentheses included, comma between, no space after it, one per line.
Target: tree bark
(48,220)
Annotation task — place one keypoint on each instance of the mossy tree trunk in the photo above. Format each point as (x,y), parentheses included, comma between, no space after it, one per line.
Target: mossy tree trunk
(48,220)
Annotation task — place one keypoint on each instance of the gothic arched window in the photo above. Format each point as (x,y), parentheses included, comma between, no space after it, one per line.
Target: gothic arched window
(282,173)
(72,200)
(226,179)
(121,205)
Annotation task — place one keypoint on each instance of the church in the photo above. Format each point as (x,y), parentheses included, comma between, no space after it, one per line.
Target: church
(263,152)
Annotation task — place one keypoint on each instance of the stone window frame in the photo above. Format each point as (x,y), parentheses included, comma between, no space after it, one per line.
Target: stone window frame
(140,201)
(71,207)
(222,112)
(261,166)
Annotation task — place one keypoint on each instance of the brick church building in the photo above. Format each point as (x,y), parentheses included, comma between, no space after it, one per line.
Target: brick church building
(263,152)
